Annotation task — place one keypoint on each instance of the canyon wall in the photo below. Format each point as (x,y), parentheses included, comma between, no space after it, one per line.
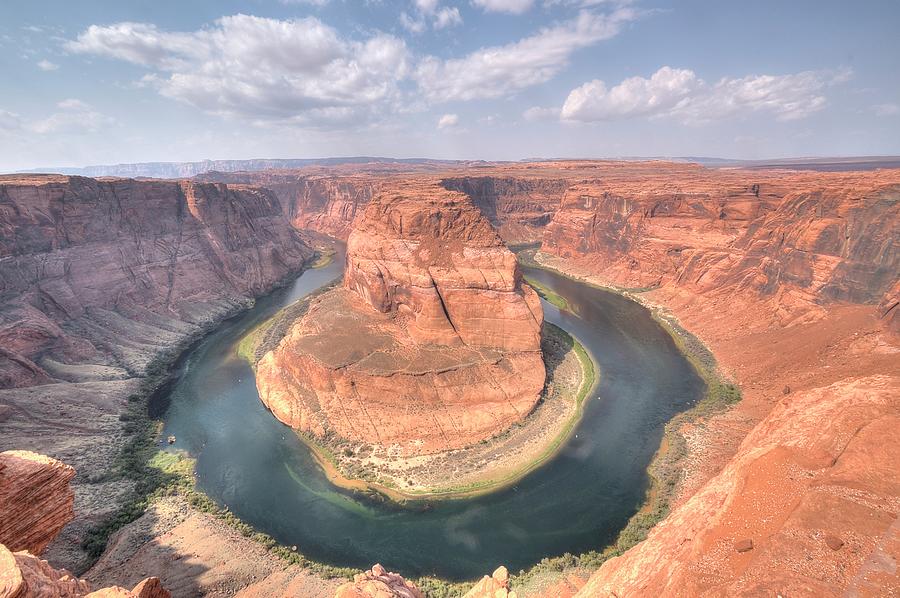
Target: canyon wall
(433,342)
(107,273)
(327,204)
(518,207)
(793,241)
(792,280)
(807,507)
(98,278)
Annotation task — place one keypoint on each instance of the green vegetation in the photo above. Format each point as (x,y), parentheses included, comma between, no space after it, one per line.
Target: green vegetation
(549,295)
(322,258)
(266,335)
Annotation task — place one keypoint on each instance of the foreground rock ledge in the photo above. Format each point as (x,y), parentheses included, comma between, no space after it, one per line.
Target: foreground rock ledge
(432,343)
(35,503)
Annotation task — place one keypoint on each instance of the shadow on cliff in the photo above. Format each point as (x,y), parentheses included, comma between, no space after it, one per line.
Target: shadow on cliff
(170,541)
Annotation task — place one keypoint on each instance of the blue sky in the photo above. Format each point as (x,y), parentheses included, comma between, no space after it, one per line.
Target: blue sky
(108,81)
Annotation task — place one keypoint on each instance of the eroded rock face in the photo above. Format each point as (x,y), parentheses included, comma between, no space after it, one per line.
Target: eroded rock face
(84,263)
(518,207)
(807,507)
(433,342)
(378,583)
(442,264)
(792,240)
(98,279)
(36,501)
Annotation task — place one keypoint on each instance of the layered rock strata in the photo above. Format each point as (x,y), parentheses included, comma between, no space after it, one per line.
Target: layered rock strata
(432,343)
(807,507)
(99,275)
(519,207)
(35,503)
(791,240)
(99,278)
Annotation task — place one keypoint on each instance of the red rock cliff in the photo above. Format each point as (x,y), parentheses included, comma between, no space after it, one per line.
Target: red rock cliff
(433,343)
(96,256)
(35,503)
(794,240)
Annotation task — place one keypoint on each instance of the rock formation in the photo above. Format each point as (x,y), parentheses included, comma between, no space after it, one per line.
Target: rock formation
(98,279)
(378,583)
(35,503)
(433,343)
(35,500)
(807,507)
(791,240)
(494,586)
(518,204)
(146,260)
(519,207)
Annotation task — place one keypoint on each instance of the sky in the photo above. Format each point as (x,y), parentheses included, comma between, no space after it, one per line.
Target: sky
(106,81)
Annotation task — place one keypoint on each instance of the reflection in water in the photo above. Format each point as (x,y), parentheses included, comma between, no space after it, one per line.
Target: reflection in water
(250,462)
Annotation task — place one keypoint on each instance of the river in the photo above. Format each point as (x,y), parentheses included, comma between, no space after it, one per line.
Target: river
(259,469)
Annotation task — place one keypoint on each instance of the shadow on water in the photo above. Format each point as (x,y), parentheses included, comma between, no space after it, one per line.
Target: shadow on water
(249,462)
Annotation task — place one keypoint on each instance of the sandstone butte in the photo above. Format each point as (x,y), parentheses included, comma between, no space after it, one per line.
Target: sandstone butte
(432,343)
(790,277)
(35,503)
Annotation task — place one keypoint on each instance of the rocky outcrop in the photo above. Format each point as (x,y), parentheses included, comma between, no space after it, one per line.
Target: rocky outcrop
(495,586)
(807,507)
(427,254)
(36,501)
(433,343)
(378,583)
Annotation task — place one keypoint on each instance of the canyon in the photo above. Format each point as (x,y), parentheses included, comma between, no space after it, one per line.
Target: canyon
(102,282)
(789,277)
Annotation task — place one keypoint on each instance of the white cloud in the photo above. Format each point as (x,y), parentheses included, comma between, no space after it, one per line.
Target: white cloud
(431,11)
(448,121)
(312,2)
(886,109)
(73,116)
(412,24)
(515,7)
(498,71)
(46,65)
(268,70)
(536,113)
(635,96)
(9,121)
(447,17)
(681,94)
